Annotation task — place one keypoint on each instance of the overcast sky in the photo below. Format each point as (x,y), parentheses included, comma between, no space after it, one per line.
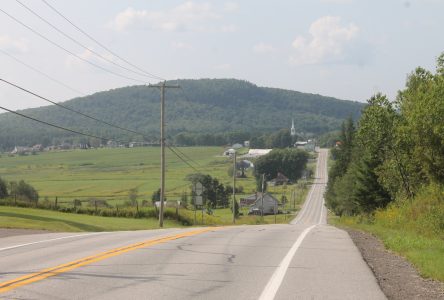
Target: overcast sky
(347,49)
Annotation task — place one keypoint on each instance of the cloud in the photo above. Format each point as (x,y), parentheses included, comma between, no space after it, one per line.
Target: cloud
(231,6)
(223,67)
(337,1)
(13,45)
(73,62)
(181,45)
(329,41)
(186,16)
(228,28)
(263,48)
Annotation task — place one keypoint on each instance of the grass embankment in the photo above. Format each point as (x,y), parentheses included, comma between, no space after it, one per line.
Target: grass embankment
(413,229)
(31,218)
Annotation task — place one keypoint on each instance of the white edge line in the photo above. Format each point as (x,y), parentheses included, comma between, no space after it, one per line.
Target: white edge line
(276,279)
(50,240)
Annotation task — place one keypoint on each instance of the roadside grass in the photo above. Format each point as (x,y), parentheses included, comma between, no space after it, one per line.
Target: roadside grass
(31,218)
(414,228)
(426,253)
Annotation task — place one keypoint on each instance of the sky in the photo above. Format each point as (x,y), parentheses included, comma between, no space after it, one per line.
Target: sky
(348,49)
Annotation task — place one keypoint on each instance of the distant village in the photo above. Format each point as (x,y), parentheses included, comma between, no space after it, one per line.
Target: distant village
(308,145)
(20,150)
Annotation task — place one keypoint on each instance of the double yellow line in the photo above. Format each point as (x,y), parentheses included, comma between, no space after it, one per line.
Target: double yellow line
(30,278)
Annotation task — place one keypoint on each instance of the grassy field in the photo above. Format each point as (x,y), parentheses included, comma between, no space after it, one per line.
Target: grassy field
(30,218)
(109,174)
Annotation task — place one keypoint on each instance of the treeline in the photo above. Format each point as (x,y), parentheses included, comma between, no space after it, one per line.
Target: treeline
(394,153)
(276,139)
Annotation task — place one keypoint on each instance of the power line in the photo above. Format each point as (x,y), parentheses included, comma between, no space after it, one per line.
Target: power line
(87,116)
(68,51)
(42,73)
(100,44)
(70,109)
(57,126)
(80,44)
(185,155)
(182,159)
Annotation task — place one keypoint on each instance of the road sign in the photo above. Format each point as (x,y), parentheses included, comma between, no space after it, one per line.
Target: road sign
(198,201)
(198,189)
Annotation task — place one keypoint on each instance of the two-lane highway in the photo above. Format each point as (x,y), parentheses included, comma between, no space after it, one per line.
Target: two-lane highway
(306,259)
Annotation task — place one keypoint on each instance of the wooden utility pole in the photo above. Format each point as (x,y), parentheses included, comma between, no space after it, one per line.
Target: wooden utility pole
(262,198)
(234,187)
(162,87)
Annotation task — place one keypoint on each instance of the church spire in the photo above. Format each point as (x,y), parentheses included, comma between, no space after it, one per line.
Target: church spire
(292,130)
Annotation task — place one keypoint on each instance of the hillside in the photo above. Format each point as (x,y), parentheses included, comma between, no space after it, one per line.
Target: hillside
(203,106)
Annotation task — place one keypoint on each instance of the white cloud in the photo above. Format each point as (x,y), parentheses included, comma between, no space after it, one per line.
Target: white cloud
(186,16)
(263,48)
(13,45)
(181,45)
(231,6)
(223,67)
(229,28)
(328,42)
(74,62)
(337,1)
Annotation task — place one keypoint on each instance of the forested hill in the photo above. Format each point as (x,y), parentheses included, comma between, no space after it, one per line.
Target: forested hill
(202,106)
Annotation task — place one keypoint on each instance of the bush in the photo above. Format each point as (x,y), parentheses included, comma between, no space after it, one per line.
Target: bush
(25,192)
(3,189)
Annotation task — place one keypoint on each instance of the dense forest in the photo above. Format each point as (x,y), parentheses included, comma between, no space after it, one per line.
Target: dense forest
(200,109)
(394,157)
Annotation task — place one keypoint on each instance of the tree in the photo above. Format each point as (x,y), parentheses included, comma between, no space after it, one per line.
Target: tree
(3,189)
(215,194)
(290,162)
(25,191)
(133,194)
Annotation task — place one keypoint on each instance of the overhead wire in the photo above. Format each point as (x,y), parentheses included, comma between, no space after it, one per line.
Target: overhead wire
(58,126)
(101,44)
(70,52)
(42,73)
(85,115)
(82,45)
(70,109)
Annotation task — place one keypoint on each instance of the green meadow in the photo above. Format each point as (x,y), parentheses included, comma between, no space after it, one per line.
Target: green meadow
(110,173)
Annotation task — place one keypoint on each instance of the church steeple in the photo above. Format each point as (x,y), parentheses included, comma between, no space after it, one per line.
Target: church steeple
(292,130)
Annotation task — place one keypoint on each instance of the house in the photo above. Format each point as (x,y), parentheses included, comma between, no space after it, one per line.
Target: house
(21,150)
(37,148)
(237,146)
(247,144)
(307,145)
(255,153)
(279,180)
(268,205)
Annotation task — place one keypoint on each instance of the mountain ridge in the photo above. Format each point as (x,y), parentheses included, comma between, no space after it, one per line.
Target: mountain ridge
(201,106)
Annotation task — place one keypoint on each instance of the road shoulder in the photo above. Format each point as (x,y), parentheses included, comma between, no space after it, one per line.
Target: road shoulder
(6,232)
(397,278)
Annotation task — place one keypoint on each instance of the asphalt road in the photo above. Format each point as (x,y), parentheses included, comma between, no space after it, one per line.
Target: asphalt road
(303,260)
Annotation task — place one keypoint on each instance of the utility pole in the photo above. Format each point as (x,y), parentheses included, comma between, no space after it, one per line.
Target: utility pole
(262,198)
(234,187)
(162,87)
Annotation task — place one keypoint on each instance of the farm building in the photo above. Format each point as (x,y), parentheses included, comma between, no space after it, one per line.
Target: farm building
(271,204)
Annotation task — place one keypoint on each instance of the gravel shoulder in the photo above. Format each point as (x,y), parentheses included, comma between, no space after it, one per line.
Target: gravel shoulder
(5,232)
(397,278)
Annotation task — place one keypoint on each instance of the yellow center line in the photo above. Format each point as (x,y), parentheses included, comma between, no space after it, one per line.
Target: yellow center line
(33,277)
